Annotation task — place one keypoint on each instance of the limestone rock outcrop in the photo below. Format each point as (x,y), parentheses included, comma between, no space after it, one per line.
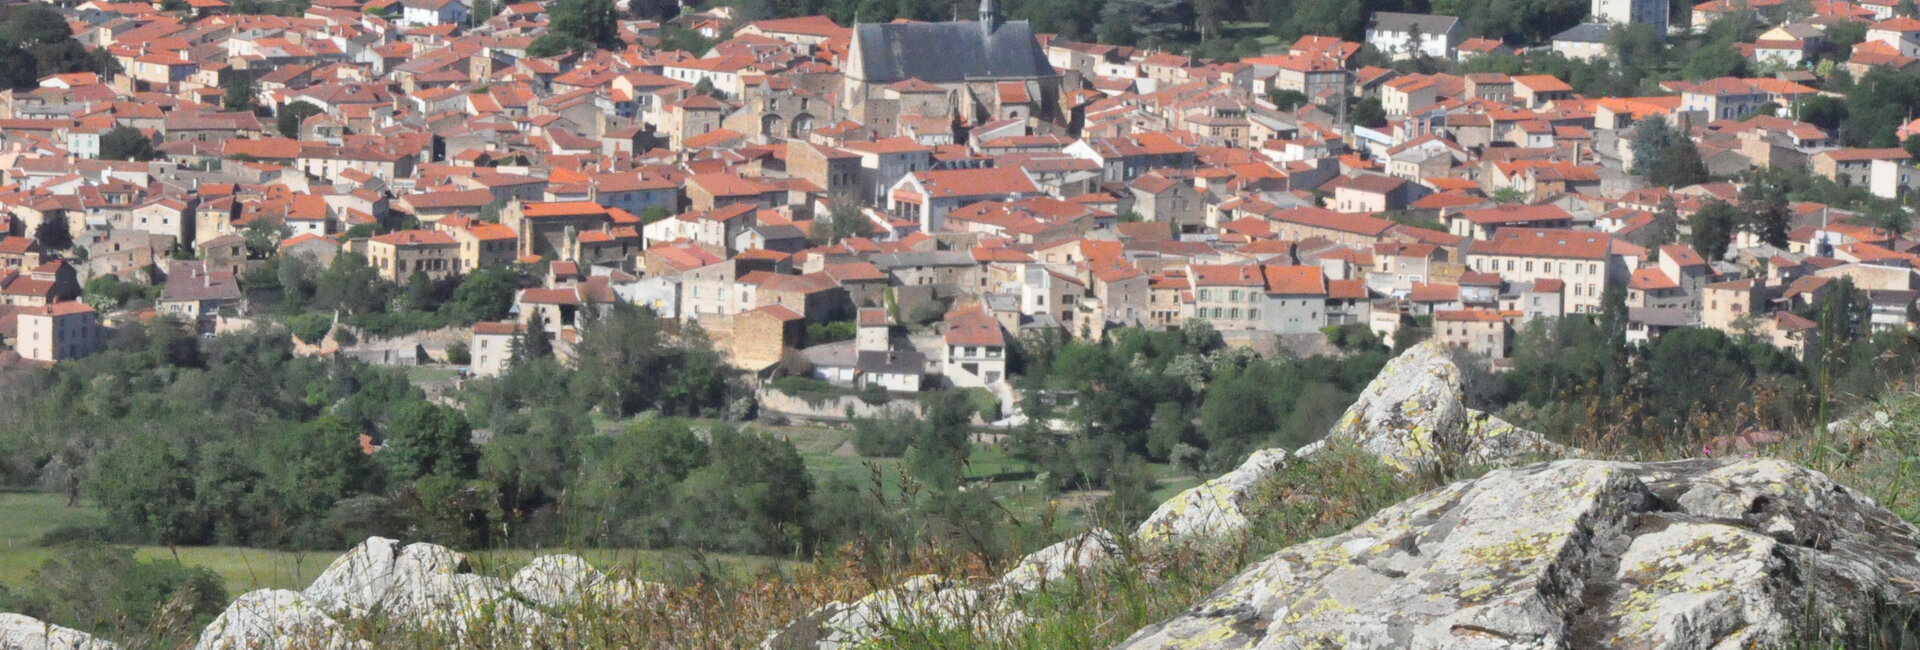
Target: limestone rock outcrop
(418,586)
(933,601)
(1053,563)
(274,618)
(564,580)
(1214,507)
(18,632)
(1413,416)
(1582,554)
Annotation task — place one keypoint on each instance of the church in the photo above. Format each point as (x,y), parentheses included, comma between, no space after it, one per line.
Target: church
(973,71)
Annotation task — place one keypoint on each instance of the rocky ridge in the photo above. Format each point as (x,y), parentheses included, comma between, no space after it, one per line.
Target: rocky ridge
(1687,554)
(1582,554)
(1413,416)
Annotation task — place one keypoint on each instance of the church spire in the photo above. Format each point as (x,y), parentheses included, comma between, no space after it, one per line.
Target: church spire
(989,16)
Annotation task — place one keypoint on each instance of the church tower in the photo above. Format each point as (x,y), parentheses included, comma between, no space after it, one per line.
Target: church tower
(989,17)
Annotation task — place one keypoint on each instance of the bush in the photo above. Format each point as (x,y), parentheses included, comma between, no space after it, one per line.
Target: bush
(818,333)
(814,391)
(881,438)
(104,590)
(311,328)
(459,355)
(1352,336)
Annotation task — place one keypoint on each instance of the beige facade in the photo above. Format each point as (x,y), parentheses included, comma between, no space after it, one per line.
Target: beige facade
(60,331)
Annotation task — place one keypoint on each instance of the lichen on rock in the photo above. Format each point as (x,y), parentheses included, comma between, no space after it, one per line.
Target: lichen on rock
(1573,554)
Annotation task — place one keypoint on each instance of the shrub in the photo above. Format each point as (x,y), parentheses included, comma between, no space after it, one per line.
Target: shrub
(310,328)
(459,355)
(881,438)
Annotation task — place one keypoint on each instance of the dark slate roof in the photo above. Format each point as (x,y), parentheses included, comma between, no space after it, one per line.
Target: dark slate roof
(1585,33)
(948,52)
(1431,24)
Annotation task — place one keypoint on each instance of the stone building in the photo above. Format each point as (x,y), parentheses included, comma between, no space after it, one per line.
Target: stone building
(986,69)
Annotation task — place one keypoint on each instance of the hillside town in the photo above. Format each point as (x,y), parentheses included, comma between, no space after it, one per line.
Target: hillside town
(890,203)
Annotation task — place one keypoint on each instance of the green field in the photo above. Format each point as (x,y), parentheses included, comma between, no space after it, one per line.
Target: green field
(26,516)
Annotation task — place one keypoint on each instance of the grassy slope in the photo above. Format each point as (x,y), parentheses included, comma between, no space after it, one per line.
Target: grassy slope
(26,516)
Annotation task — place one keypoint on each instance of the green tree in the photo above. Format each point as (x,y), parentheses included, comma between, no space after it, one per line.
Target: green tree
(1652,139)
(1368,113)
(585,23)
(1665,228)
(146,486)
(1768,214)
(425,438)
(483,295)
(239,96)
(1890,217)
(1823,111)
(1681,166)
(54,233)
(292,115)
(1713,226)
(1286,99)
(941,446)
(105,590)
(126,143)
(1713,61)
(843,220)
(311,328)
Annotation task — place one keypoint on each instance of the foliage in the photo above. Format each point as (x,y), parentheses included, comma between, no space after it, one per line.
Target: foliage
(239,96)
(1713,226)
(1286,99)
(1652,139)
(108,291)
(659,484)
(843,219)
(126,143)
(291,115)
(579,25)
(630,364)
(54,233)
(105,591)
(35,41)
(1877,105)
(458,354)
(1368,113)
(236,441)
(1715,60)
(310,328)
(1141,393)
(1681,166)
(818,333)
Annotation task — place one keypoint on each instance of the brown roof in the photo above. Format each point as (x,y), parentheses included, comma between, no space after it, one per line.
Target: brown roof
(970,325)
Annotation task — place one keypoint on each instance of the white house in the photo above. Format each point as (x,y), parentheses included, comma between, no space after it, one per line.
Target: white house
(1402,36)
(1625,12)
(433,12)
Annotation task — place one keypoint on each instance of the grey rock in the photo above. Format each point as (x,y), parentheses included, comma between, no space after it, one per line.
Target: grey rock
(18,632)
(274,619)
(1413,416)
(1212,508)
(554,580)
(925,601)
(565,580)
(423,585)
(1055,562)
(357,580)
(1580,554)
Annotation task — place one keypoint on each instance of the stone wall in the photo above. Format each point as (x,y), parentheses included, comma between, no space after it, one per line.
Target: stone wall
(836,409)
